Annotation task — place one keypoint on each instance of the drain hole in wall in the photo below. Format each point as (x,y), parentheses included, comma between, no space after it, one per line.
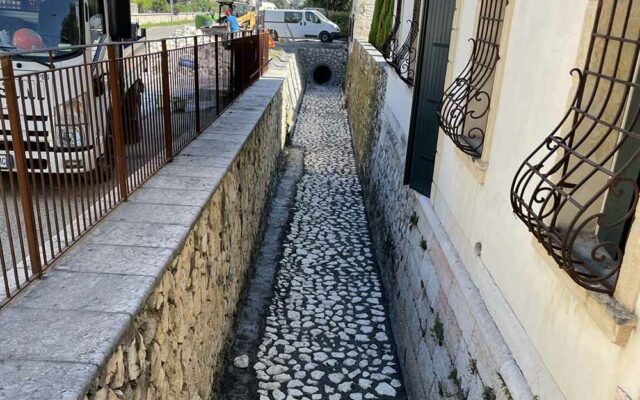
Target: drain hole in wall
(322,74)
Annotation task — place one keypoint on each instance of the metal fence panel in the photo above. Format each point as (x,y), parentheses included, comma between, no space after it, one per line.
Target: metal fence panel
(77,139)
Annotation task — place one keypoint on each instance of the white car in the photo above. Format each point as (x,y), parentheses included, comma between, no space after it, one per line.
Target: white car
(298,24)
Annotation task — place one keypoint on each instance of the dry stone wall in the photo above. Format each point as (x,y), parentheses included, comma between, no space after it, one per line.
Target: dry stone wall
(176,345)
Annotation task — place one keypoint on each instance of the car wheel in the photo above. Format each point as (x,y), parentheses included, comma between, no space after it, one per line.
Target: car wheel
(325,37)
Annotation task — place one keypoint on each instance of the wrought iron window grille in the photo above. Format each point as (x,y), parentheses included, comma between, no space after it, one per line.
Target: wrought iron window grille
(577,192)
(401,57)
(465,105)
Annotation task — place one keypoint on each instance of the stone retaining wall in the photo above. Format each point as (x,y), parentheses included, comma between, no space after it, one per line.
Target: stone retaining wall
(314,54)
(448,345)
(145,305)
(176,346)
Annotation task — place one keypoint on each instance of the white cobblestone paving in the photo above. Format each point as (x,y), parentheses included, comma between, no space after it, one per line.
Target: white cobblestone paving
(327,334)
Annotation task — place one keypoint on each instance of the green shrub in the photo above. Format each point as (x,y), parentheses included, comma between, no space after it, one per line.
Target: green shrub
(375,22)
(381,23)
(385,24)
(148,6)
(341,18)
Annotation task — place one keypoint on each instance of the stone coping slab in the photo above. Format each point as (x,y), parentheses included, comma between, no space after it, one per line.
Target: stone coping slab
(56,335)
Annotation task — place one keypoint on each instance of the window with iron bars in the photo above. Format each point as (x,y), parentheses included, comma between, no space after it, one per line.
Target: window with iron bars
(465,105)
(577,192)
(402,55)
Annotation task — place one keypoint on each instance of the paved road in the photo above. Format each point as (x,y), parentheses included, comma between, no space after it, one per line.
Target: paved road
(161,32)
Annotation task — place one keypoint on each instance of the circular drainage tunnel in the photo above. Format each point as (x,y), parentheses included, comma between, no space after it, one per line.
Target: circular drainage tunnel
(322,74)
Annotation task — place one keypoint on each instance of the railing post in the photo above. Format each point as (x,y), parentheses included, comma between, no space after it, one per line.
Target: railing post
(118,132)
(166,102)
(217,80)
(196,78)
(21,165)
(232,69)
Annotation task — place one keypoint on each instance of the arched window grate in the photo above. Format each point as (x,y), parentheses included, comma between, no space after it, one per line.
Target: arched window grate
(577,192)
(465,105)
(402,55)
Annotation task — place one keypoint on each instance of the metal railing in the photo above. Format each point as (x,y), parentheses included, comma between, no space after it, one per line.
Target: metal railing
(77,138)
(402,56)
(577,192)
(465,105)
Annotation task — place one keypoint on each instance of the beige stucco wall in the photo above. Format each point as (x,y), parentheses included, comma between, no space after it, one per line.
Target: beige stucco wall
(545,319)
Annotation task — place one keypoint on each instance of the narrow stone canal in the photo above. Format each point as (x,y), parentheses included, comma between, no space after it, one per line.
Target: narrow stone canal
(326,334)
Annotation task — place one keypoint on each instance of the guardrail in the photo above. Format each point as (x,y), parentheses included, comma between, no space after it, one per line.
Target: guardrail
(77,138)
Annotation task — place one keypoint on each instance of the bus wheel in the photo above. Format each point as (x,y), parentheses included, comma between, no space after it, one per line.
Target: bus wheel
(325,37)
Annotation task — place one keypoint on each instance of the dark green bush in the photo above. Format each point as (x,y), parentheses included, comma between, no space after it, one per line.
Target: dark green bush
(381,23)
(146,6)
(375,21)
(341,18)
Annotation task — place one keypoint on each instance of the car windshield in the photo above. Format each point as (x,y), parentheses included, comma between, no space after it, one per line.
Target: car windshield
(322,16)
(39,24)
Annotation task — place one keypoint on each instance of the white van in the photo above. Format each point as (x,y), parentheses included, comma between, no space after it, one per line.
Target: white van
(298,24)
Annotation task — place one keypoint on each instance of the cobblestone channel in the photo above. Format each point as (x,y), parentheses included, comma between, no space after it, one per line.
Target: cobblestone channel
(327,333)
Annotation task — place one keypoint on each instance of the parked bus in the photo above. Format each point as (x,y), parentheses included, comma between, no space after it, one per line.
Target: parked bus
(60,111)
(298,24)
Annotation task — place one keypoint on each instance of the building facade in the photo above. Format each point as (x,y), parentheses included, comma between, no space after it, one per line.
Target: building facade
(498,146)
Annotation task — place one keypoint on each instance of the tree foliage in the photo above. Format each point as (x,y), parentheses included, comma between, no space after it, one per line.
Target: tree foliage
(179,5)
(280,3)
(381,23)
(329,5)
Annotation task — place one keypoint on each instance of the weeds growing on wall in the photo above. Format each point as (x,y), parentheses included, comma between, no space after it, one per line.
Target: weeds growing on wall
(473,366)
(488,393)
(413,221)
(504,387)
(437,331)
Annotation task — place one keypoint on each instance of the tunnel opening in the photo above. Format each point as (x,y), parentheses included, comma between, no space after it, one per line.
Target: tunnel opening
(322,74)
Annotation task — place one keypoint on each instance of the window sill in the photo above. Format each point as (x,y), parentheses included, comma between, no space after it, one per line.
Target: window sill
(613,319)
(477,166)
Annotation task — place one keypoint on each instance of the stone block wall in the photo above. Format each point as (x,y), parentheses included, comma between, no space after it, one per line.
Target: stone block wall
(176,346)
(311,55)
(366,77)
(448,345)
(362,15)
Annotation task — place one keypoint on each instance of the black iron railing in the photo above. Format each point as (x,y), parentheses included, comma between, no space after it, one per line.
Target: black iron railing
(577,192)
(465,105)
(401,55)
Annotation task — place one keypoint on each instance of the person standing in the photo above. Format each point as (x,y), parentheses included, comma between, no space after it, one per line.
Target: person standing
(232,22)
